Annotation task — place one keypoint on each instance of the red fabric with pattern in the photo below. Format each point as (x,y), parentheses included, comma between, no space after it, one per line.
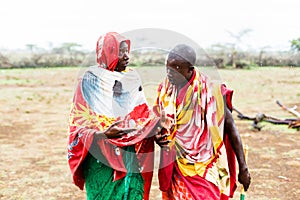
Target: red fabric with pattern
(231,157)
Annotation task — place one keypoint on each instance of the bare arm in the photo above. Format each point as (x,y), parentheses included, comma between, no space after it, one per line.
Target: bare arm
(236,142)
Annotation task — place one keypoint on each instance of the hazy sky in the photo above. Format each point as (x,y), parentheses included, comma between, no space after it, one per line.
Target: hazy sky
(273,22)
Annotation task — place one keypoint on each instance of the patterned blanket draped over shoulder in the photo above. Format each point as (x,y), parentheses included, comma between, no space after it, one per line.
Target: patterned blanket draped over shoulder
(199,148)
(103,97)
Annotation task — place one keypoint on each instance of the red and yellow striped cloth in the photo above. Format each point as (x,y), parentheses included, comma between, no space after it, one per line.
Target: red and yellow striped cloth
(200,159)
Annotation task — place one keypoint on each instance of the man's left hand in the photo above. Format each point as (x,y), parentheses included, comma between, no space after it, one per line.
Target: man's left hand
(244,178)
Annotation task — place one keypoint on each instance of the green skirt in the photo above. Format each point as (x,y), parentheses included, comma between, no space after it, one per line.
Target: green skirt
(99,183)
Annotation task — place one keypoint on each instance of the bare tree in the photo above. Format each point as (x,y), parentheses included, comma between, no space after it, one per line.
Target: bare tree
(31,47)
(260,56)
(237,41)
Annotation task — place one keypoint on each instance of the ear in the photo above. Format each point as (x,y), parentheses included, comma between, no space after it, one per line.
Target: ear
(191,68)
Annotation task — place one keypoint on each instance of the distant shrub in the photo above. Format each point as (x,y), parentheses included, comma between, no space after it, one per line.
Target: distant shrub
(242,64)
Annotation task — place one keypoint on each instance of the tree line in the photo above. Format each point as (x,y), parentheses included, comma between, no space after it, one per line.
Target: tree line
(221,55)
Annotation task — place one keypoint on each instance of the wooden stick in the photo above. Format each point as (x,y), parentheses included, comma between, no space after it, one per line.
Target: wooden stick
(242,195)
(291,110)
(242,116)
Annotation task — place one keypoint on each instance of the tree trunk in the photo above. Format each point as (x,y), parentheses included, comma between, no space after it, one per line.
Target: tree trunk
(233,58)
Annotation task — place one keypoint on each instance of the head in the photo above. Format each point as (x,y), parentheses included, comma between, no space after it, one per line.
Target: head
(112,51)
(180,64)
(123,58)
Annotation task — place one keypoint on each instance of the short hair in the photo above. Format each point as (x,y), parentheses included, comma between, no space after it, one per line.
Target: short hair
(183,52)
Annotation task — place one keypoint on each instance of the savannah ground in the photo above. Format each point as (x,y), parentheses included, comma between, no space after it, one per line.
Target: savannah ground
(34,105)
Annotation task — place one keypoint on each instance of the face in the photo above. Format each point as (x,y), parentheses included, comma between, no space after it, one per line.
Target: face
(123,57)
(178,71)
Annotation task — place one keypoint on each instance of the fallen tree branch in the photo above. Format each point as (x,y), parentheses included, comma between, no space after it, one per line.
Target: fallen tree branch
(241,116)
(295,124)
(292,123)
(291,110)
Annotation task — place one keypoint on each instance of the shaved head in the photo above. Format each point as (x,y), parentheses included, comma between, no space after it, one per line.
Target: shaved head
(183,52)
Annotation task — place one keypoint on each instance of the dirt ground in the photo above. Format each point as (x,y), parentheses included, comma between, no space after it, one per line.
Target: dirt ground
(34,105)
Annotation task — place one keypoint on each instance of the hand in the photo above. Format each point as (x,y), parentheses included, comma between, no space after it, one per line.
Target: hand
(166,122)
(113,132)
(161,138)
(244,178)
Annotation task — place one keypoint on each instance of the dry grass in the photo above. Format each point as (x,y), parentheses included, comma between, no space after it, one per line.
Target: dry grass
(33,130)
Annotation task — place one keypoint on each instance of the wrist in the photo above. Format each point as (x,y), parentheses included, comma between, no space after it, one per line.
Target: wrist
(243,168)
